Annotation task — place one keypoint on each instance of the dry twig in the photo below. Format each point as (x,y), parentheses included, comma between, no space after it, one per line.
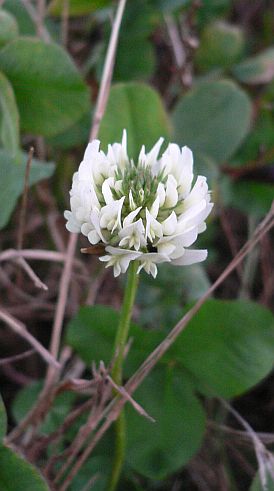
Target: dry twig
(22,331)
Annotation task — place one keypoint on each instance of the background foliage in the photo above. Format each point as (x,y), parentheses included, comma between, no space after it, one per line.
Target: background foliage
(197,73)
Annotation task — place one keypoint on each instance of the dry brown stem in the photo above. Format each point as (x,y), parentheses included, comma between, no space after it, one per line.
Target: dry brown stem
(22,331)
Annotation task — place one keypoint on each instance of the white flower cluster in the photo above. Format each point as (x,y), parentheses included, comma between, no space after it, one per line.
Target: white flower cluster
(144,211)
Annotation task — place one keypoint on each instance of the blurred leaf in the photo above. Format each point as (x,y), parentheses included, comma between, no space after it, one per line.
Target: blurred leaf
(248,196)
(50,93)
(158,449)
(16,474)
(139,109)
(75,135)
(139,20)
(258,69)
(77,7)
(213,119)
(134,66)
(221,45)
(97,467)
(169,5)
(257,485)
(212,9)
(12,181)
(92,332)
(9,118)
(259,140)
(3,419)
(8,27)
(24,21)
(28,396)
(228,346)
(161,299)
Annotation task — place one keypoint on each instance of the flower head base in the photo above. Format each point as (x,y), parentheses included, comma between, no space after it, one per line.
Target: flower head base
(144,211)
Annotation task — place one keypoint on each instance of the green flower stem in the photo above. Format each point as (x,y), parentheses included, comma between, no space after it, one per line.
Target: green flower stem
(117,371)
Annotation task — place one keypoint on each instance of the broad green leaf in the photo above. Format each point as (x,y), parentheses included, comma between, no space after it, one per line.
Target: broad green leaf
(75,135)
(3,419)
(228,346)
(26,24)
(28,396)
(77,7)
(12,181)
(169,5)
(257,484)
(16,474)
(9,118)
(139,109)
(97,467)
(221,45)
(134,67)
(250,197)
(8,27)
(92,333)
(24,21)
(258,69)
(213,119)
(139,21)
(159,449)
(161,299)
(49,90)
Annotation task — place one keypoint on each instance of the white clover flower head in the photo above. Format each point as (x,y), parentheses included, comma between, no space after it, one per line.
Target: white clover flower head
(145,211)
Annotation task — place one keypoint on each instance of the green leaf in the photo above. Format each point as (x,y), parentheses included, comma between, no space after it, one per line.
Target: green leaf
(250,197)
(77,7)
(49,90)
(92,332)
(213,119)
(3,419)
(228,346)
(221,45)
(98,467)
(139,20)
(74,136)
(24,21)
(161,299)
(134,67)
(257,485)
(139,109)
(16,474)
(9,118)
(28,396)
(12,181)
(8,27)
(258,69)
(158,449)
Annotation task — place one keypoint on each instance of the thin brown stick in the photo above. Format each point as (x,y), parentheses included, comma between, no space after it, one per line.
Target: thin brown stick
(60,310)
(108,70)
(41,10)
(33,276)
(22,331)
(38,255)
(264,457)
(113,410)
(22,218)
(15,358)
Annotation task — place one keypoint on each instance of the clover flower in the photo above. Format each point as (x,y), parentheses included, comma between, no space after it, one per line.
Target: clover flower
(145,211)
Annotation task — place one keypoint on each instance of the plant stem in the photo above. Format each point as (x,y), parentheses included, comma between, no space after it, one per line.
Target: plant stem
(117,371)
